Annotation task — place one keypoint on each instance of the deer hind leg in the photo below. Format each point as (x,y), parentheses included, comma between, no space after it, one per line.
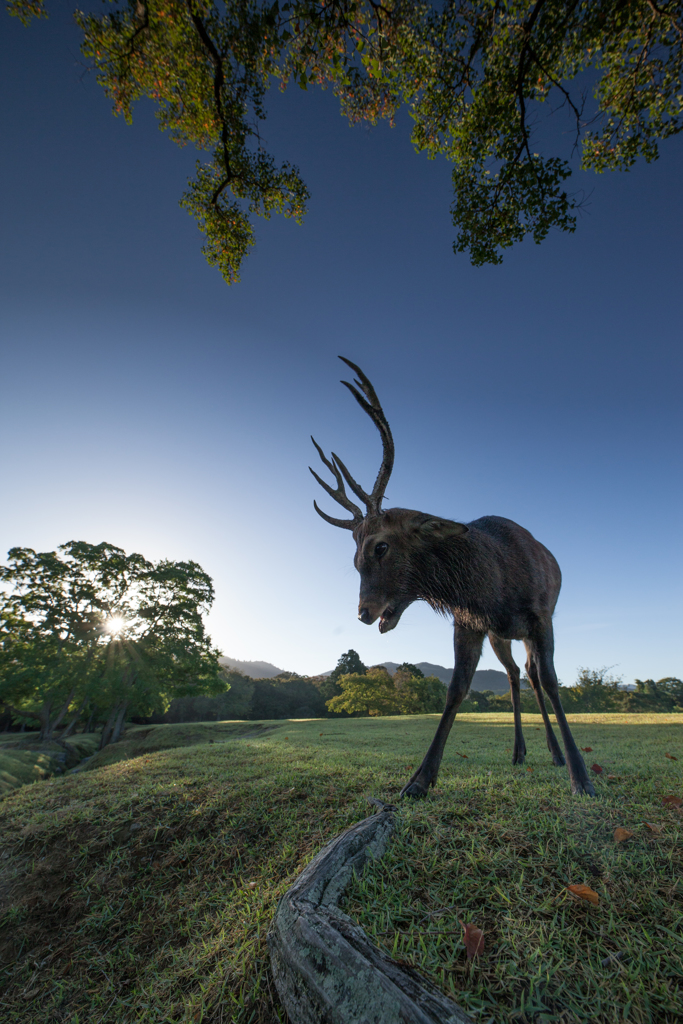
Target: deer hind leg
(551,738)
(503,651)
(540,650)
(468,645)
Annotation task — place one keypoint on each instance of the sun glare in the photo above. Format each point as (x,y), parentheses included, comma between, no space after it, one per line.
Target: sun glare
(115,624)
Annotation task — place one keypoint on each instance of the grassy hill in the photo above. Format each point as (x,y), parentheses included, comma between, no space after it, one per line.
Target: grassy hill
(141,889)
(24,759)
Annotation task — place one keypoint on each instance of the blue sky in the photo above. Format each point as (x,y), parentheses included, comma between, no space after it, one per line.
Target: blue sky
(147,403)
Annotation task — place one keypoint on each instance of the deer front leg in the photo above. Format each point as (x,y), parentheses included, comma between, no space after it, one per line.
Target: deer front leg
(467,653)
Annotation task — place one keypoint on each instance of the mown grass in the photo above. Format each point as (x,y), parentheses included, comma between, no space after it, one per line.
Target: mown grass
(497,848)
(142,891)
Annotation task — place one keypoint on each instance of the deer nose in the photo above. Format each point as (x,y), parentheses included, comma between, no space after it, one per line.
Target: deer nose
(365,616)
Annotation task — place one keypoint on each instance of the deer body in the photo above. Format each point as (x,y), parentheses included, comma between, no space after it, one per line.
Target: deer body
(492,576)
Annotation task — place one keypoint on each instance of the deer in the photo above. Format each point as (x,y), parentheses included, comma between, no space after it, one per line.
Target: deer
(491,576)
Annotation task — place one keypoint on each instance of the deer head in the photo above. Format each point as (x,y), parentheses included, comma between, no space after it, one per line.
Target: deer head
(394,548)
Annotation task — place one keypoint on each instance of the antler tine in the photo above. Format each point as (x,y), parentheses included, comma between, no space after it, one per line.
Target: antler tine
(346,524)
(363,383)
(355,487)
(374,410)
(339,493)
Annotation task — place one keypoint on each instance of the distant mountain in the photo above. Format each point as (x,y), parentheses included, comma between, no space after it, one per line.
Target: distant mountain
(255,669)
(484,679)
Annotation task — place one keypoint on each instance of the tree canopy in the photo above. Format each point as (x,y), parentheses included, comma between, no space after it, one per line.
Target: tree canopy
(476,77)
(595,690)
(89,625)
(349,663)
(376,692)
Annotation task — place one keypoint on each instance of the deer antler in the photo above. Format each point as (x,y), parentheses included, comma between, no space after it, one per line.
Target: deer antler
(339,494)
(373,502)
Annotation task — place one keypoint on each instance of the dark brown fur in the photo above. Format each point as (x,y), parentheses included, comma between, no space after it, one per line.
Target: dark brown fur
(494,578)
(490,575)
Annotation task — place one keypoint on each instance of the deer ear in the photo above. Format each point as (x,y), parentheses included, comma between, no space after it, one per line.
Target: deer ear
(442,529)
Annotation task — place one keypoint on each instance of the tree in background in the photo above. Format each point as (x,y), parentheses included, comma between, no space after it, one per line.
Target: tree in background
(158,647)
(664,695)
(369,693)
(418,694)
(476,77)
(408,671)
(595,690)
(47,664)
(348,664)
(89,626)
(376,692)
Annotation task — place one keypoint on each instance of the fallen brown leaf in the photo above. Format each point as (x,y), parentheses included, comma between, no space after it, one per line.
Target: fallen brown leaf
(587,750)
(321,734)
(654,828)
(473,938)
(596,768)
(612,776)
(460,755)
(672,801)
(671,757)
(584,892)
(529,769)
(622,834)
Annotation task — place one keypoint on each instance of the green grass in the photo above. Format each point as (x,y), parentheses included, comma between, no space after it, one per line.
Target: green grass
(142,740)
(23,759)
(142,890)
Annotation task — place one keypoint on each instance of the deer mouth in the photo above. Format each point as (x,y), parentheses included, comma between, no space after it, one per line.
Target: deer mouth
(388,619)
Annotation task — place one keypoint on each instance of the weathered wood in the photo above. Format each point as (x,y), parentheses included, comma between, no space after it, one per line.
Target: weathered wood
(326,970)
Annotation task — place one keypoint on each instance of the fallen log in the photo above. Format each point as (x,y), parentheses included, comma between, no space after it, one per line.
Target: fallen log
(325,968)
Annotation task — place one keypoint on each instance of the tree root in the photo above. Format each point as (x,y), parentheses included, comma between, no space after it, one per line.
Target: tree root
(326,970)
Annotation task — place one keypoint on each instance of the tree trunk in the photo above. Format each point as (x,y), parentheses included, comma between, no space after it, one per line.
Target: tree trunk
(72,724)
(120,722)
(112,730)
(114,725)
(51,726)
(45,730)
(105,738)
(325,968)
(23,715)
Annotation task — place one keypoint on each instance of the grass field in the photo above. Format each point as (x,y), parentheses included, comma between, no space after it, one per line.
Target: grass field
(23,759)
(141,890)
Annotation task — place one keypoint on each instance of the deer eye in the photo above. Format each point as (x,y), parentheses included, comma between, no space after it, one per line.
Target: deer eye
(381,549)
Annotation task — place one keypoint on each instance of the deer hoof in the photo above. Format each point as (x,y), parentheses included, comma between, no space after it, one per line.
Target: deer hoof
(414,790)
(518,756)
(558,761)
(584,788)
